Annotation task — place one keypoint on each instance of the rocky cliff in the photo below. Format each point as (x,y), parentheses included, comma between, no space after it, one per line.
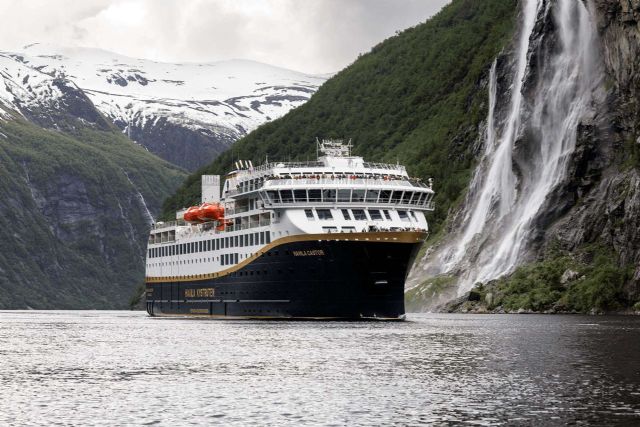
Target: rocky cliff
(76,202)
(605,174)
(584,245)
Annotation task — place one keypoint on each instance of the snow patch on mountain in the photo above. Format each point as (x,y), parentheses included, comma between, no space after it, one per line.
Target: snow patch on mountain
(221,101)
(238,93)
(24,87)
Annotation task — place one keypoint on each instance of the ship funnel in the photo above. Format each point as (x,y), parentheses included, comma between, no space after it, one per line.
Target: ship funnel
(210,188)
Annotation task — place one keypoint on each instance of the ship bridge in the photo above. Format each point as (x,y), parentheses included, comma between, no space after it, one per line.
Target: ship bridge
(335,178)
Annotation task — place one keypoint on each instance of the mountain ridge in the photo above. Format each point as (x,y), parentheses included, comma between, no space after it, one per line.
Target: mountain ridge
(187,113)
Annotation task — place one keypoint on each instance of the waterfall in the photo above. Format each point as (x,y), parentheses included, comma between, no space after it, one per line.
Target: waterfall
(143,203)
(529,143)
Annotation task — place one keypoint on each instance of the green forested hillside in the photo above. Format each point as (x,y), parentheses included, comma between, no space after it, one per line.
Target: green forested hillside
(73,221)
(416,98)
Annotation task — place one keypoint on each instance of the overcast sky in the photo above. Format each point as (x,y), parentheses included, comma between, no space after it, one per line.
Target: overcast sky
(315,36)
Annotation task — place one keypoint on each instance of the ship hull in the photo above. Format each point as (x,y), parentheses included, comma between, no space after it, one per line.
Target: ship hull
(308,279)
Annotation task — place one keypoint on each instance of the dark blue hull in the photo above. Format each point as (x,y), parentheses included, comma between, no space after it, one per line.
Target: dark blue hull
(308,279)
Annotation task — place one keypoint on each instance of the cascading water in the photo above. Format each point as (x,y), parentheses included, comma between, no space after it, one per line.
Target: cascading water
(528,147)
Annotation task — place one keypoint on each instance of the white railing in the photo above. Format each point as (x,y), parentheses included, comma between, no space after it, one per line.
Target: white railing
(427,206)
(306,182)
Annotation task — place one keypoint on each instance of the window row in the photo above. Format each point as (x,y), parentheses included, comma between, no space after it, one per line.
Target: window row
(261,238)
(359,214)
(228,259)
(347,195)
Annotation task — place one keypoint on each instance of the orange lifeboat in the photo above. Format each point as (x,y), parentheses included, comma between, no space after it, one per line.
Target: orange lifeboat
(191,215)
(211,212)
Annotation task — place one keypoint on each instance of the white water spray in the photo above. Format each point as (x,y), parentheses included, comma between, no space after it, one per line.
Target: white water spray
(143,203)
(508,190)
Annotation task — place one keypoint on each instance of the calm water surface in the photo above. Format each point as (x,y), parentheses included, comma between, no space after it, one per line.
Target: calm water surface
(124,368)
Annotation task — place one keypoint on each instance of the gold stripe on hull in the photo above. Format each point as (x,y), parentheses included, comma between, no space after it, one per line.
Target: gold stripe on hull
(373,237)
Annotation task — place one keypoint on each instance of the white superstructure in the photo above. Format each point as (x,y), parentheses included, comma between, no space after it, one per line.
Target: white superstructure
(338,193)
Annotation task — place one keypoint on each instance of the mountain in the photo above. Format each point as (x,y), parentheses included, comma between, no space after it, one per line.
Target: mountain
(443,96)
(76,197)
(415,98)
(550,221)
(185,113)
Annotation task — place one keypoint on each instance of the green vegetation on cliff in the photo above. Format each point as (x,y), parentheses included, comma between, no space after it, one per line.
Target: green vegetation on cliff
(416,98)
(73,220)
(580,282)
(586,280)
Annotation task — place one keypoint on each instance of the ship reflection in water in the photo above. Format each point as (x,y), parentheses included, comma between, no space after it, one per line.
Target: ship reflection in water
(119,368)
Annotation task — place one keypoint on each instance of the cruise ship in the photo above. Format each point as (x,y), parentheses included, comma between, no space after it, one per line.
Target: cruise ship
(327,239)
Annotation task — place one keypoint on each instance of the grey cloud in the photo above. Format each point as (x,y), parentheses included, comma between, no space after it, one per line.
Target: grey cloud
(312,35)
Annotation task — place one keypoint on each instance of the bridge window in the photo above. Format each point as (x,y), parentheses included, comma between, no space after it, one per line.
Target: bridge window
(358,196)
(315,195)
(324,214)
(329,195)
(309,214)
(396,197)
(359,215)
(300,195)
(406,198)
(372,195)
(403,215)
(375,214)
(273,196)
(286,196)
(345,214)
(344,195)
(387,214)
(385,196)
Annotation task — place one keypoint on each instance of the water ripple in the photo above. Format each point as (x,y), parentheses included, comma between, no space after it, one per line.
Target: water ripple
(119,368)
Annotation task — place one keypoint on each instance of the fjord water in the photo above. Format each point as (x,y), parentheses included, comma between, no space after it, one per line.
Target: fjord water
(124,368)
(508,191)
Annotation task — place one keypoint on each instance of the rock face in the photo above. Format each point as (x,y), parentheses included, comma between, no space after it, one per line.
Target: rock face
(604,179)
(597,204)
(77,200)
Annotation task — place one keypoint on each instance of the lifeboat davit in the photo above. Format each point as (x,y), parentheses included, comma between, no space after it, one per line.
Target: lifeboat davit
(211,212)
